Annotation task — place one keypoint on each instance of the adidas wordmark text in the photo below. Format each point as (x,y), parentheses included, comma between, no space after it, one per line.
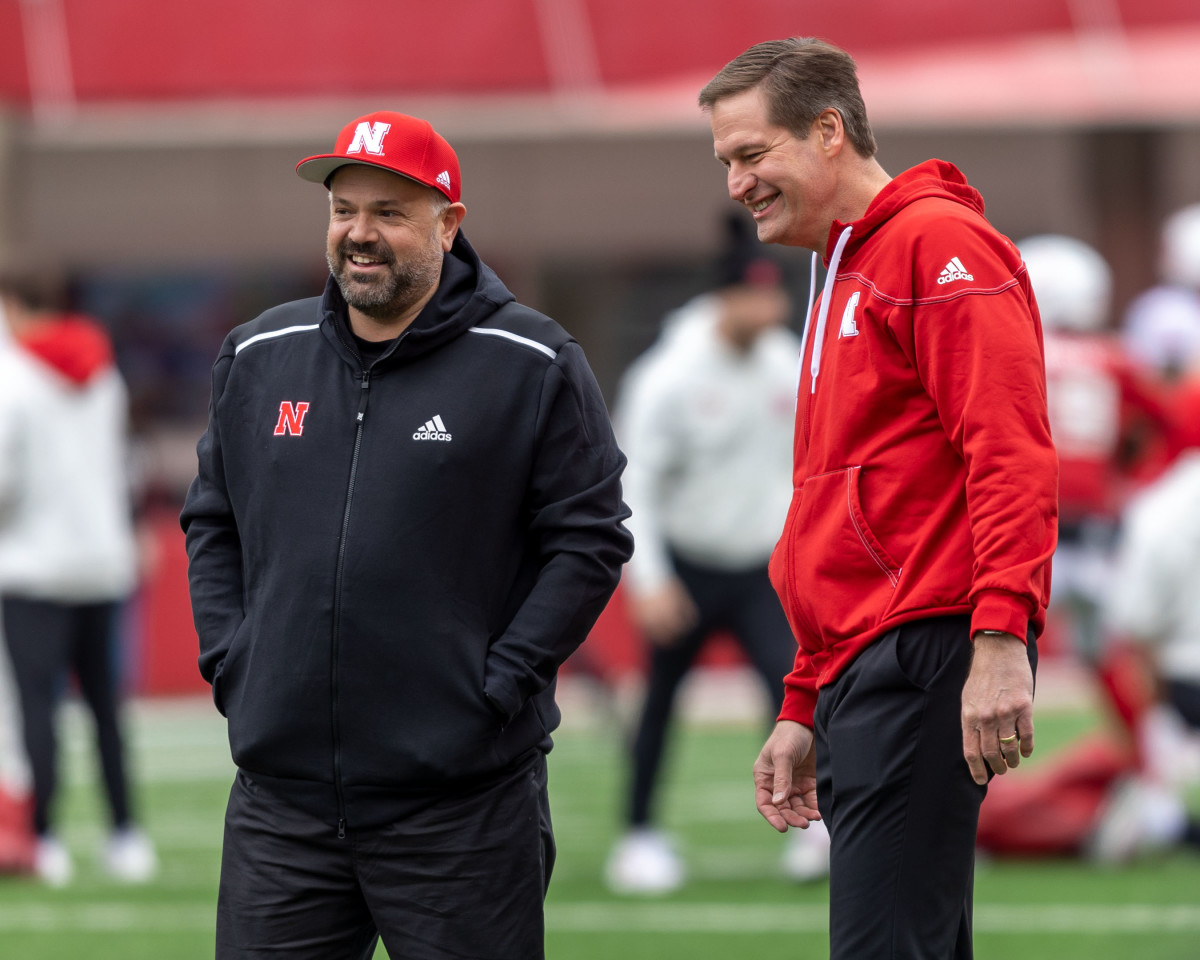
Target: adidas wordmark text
(432,430)
(954,270)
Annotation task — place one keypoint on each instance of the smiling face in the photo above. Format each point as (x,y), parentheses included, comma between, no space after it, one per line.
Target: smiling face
(787,183)
(385,243)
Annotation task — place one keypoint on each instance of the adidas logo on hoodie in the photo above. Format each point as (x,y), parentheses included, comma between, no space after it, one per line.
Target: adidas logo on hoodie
(432,430)
(954,270)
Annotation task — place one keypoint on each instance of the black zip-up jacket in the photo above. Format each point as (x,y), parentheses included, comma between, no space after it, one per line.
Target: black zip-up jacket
(388,565)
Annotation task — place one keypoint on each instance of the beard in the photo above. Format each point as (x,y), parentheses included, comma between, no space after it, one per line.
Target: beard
(393,292)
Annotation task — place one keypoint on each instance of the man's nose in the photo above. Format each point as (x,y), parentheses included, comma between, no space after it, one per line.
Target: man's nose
(741,181)
(362,229)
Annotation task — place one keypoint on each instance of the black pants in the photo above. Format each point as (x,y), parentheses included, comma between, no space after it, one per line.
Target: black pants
(744,603)
(1184,696)
(898,797)
(461,876)
(47,641)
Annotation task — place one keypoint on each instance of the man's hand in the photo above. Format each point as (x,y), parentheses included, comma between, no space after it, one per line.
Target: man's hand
(997,706)
(666,614)
(785,777)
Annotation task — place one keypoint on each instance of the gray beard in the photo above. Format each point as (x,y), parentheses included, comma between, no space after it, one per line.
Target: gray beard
(390,295)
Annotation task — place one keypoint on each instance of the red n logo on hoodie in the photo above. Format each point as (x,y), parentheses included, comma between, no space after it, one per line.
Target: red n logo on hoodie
(291,418)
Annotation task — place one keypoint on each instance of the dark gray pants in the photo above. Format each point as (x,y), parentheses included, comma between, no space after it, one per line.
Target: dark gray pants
(48,643)
(742,602)
(458,876)
(898,797)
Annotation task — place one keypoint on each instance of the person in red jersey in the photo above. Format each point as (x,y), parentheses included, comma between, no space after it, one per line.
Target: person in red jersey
(1100,402)
(914,564)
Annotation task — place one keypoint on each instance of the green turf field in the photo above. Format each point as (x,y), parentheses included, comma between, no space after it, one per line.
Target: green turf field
(735,906)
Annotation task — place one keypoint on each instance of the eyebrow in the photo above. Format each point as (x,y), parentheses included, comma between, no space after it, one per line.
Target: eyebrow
(378,204)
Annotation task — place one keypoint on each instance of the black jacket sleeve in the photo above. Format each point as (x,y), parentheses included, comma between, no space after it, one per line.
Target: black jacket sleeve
(577,529)
(213,545)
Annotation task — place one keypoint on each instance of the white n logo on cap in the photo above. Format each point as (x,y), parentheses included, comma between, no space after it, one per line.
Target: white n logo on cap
(369,137)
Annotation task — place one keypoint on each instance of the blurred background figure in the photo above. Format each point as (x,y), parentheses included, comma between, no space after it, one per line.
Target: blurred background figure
(1153,615)
(1161,327)
(1120,572)
(1121,792)
(67,551)
(1099,406)
(16,820)
(705,417)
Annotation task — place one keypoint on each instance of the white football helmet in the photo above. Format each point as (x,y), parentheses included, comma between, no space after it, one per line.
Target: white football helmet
(1071,281)
(1181,247)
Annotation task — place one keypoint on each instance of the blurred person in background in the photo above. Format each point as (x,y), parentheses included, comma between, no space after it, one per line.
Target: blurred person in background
(16,799)
(1153,610)
(1161,326)
(705,417)
(67,553)
(1101,404)
(914,565)
(1096,397)
(407,515)
(1161,332)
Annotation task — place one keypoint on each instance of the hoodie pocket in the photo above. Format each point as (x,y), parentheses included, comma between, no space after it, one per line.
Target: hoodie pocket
(843,577)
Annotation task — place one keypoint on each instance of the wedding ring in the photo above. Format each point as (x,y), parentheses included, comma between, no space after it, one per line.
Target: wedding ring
(1009,739)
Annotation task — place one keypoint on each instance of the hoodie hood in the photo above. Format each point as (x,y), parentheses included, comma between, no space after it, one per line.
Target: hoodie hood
(468,292)
(74,346)
(933,178)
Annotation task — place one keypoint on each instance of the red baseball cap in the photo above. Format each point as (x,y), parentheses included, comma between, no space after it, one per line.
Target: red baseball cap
(391,141)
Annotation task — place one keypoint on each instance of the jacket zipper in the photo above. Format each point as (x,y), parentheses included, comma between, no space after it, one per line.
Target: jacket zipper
(360,416)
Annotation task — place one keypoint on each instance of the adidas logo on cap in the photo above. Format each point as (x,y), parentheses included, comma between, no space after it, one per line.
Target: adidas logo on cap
(433,429)
(954,270)
(444,179)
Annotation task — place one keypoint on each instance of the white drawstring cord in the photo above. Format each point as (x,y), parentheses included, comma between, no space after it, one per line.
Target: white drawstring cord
(815,368)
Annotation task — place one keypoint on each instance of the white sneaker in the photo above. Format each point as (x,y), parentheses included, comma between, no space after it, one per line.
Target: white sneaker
(129,856)
(644,862)
(806,856)
(52,863)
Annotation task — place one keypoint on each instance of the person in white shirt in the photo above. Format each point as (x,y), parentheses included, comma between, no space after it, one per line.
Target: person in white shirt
(705,417)
(67,551)
(1153,605)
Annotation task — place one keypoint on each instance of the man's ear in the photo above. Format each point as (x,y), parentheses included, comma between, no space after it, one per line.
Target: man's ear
(452,218)
(832,132)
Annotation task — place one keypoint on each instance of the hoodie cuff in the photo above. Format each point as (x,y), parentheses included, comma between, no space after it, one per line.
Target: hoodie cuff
(502,700)
(799,704)
(998,610)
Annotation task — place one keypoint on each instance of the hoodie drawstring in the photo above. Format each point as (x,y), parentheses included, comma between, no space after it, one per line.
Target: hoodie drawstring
(812,296)
(815,368)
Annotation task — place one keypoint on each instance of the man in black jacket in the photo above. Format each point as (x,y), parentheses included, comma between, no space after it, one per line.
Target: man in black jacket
(407,515)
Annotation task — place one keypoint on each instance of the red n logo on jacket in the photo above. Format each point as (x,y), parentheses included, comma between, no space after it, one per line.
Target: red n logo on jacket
(291,418)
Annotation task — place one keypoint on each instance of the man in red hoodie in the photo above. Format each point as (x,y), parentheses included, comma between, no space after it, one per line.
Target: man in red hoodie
(914,564)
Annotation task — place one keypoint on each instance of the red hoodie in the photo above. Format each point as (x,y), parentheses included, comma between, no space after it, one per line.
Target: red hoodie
(74,345)
(925,478)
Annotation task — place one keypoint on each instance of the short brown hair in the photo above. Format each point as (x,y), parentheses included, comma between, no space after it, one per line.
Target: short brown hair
(800,77)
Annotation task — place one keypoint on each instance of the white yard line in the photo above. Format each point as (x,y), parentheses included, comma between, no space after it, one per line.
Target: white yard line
(715,918)
(814,918)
